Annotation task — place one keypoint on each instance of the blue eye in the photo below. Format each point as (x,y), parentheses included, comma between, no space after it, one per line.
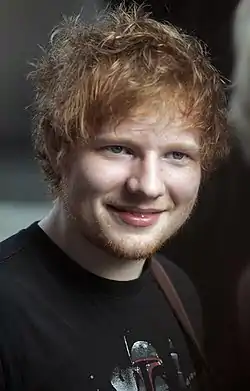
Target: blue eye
(117,150)
(176,155)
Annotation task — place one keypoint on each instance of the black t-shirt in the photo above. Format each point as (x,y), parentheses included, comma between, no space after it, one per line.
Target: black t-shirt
(63,328)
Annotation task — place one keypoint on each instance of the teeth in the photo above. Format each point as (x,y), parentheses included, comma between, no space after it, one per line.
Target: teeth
(139,214)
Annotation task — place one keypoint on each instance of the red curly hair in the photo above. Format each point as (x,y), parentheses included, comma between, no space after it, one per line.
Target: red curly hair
(99,73)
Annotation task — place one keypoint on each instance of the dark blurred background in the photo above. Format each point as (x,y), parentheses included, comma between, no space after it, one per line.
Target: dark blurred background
(24,25)
(213,247)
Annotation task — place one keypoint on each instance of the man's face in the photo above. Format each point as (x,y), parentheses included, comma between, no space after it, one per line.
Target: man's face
(131,188)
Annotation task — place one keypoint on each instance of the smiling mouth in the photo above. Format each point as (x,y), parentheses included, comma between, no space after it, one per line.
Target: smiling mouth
(135,210)
(136,217)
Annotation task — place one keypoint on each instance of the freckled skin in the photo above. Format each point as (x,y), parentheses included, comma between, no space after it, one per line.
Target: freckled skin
(142,164)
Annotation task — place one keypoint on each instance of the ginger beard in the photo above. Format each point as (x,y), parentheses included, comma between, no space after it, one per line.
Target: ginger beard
(122,241)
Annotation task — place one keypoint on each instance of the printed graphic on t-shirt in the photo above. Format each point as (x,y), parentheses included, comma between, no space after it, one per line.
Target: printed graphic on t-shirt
(146,372)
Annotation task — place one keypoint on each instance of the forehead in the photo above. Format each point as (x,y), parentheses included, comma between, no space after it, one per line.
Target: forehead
(153,130)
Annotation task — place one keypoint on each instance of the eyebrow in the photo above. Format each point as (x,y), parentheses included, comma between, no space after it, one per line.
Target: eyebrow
(190,146)
(113,138)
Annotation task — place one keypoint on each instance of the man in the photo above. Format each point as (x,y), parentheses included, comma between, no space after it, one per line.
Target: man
(129,115)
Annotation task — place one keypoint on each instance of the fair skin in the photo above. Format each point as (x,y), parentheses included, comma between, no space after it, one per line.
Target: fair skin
(124,194)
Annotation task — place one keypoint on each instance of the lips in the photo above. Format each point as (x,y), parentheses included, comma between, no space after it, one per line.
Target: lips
(137,217)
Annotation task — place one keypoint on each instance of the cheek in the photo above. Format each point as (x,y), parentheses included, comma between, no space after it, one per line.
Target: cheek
(184,185)
(97,178)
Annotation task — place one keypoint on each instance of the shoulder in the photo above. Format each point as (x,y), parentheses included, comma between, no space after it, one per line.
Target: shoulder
(19,277)
(12,254)
(186,291)
(10,247)
(13,246)
(15,262)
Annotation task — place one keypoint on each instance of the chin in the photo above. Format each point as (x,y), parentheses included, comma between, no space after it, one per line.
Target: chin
(128,253)
(133,248)
(124,242)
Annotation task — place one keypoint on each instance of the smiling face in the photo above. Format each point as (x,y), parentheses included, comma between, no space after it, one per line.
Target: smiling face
(131,188)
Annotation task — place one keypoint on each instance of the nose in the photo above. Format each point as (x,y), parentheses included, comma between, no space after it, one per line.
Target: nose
(146,178)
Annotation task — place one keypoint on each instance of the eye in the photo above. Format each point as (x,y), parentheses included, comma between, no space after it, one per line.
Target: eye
(177,155)
(117,150)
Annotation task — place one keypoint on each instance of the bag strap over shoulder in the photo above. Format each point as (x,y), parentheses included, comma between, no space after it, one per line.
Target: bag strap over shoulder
(175,303)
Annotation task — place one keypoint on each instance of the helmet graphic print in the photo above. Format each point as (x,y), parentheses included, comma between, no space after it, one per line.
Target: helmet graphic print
(146,372)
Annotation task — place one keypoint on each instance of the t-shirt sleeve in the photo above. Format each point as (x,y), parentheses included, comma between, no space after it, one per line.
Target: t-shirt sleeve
(187,294)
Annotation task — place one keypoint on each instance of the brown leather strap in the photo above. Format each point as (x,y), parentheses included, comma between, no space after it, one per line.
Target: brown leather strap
(175,303)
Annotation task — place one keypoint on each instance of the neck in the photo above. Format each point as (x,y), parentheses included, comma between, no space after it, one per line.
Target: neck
(63,231)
